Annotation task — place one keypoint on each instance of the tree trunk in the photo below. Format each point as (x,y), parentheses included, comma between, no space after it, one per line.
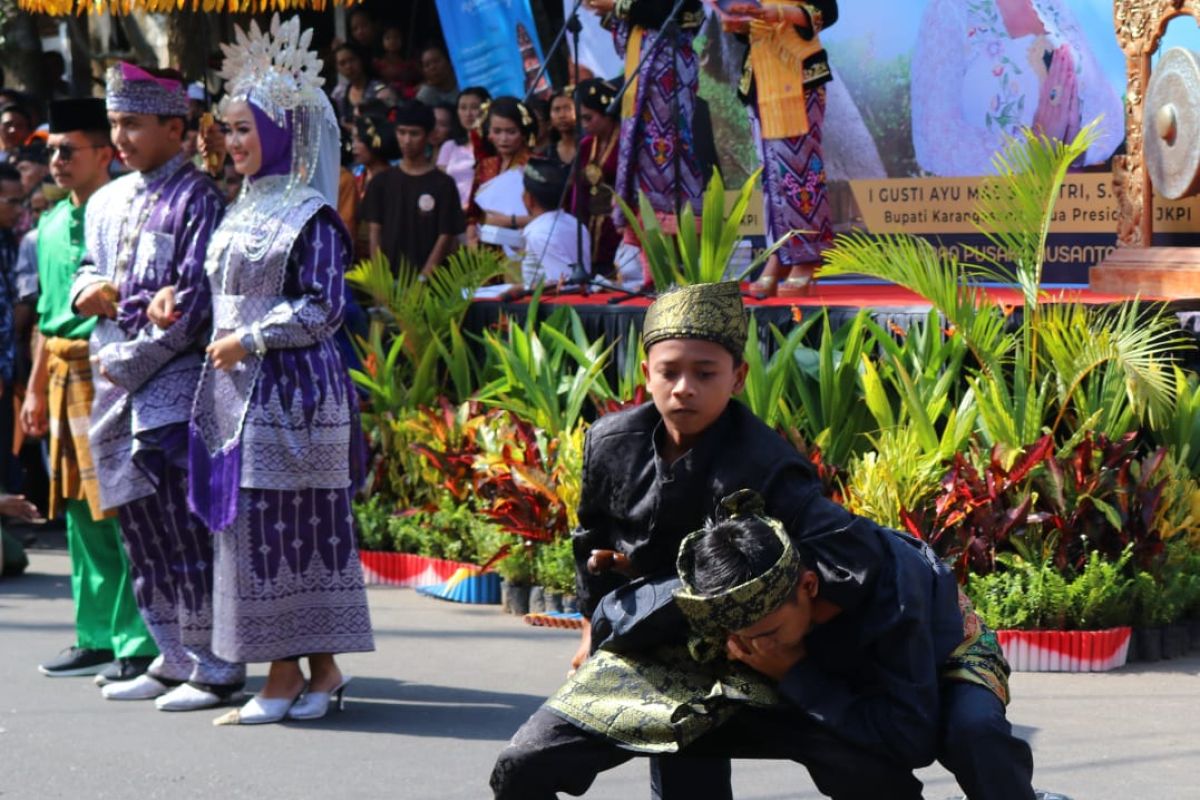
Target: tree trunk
(189,39)
(81,77)
(21,55)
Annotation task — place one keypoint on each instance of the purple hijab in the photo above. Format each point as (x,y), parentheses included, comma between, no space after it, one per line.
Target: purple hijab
(276,143)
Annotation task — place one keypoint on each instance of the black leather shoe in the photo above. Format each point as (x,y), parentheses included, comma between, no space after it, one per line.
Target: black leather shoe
(76,661)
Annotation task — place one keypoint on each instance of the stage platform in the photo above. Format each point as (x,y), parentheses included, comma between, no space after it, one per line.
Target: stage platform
(611,314)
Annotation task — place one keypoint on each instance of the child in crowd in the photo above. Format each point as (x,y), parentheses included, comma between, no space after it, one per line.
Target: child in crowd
(413,211)
(511,129)
(402,75)
(562,144)
(554,240)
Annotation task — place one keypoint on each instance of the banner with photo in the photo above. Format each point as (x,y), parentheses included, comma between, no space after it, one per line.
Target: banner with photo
(492,43)
(924,92)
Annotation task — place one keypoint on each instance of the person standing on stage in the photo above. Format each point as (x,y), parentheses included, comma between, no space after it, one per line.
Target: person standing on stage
(59,402)
(657,147)
(275,445)
(147,230)
(783,86)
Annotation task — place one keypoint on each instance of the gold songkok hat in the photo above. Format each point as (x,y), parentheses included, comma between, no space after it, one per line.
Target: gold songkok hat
(709,311)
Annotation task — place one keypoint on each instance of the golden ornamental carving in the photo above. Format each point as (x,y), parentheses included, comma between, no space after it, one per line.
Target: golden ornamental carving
(1139,25)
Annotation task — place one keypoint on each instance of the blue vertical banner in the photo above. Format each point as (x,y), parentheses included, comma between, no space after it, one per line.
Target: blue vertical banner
(492,43)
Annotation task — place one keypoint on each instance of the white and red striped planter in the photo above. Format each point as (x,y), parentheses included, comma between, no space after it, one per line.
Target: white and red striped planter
(405,569)
(1065,651)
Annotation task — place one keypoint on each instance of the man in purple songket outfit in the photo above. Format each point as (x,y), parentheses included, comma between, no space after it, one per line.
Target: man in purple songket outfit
(147,230)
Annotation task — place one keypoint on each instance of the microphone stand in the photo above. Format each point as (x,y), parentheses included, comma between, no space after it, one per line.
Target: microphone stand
(573,26)
(557,43)
(614,108)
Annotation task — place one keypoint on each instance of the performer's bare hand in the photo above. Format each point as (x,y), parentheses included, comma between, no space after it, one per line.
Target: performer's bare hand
(99,300)
(162,311)
(100,368)
(735,24)
(602,561)
(35,419)
(227,352)
(764,655)
(15,505)
(585,648)
(773,15)
(1057,114)
(600,7)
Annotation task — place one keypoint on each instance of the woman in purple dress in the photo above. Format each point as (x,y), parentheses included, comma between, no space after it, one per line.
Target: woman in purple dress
(275,447)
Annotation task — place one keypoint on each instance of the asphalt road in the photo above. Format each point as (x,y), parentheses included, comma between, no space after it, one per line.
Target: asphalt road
(429,710)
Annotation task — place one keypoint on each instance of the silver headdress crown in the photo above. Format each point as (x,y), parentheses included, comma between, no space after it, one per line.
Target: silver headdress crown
(281,76)
(278,72)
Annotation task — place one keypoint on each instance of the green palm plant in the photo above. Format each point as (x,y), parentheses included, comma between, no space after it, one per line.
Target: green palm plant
(546,372)
(828,399)
(769,388)
(416,328)
(423,309)
(1181,430)
(1064,369)
(690,256)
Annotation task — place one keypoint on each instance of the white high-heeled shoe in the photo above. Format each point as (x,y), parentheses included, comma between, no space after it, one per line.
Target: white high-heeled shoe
(314,705)
(259,711)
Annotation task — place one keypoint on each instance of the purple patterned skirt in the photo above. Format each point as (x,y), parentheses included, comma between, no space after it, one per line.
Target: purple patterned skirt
(794,193)
(663,111)
(288,578)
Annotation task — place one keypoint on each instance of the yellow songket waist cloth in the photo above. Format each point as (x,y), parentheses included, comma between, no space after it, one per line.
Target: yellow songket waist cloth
(657,701)
(777,56)
(72,473)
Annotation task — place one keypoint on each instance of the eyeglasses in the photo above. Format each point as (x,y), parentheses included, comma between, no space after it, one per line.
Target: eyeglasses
(65,152)
(12,201)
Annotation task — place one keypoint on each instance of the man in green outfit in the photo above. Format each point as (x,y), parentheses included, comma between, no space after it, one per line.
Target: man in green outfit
(111,638)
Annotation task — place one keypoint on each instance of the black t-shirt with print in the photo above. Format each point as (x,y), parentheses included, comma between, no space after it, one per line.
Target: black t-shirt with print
(413,210)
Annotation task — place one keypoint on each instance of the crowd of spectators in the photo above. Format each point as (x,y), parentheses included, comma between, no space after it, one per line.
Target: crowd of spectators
(428,167)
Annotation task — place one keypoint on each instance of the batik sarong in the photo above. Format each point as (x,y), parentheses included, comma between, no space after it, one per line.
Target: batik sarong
(72,473)
(289,580)
(664,105)
(794,193)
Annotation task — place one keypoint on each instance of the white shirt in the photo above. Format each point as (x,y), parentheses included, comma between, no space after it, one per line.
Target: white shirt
(458,161)
(551,248)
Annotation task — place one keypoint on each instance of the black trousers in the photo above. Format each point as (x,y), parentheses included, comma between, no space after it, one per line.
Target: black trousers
(550,755)
(978,747)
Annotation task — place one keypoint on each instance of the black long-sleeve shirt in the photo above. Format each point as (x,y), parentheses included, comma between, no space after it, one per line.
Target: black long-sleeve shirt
(872,674)
(634,502)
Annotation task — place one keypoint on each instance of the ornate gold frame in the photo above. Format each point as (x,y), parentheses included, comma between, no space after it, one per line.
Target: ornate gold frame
(1140,25)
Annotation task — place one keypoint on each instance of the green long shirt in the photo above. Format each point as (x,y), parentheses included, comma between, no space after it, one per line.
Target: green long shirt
(60,249)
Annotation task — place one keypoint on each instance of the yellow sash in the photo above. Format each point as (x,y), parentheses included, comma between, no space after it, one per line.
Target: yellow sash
(777,56)
(633,54)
